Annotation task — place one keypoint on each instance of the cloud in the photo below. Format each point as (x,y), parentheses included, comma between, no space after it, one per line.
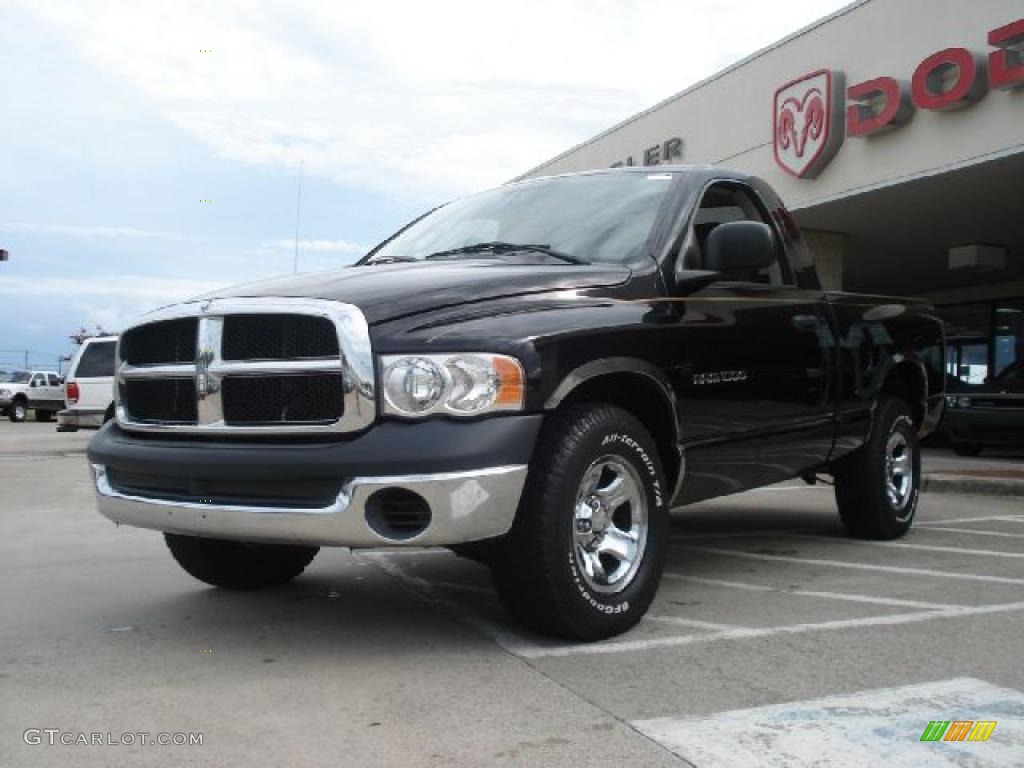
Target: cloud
(412,98)
(109,301)
(92,232)
(317,246)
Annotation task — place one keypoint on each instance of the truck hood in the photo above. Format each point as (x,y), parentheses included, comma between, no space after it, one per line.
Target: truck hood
(389,291)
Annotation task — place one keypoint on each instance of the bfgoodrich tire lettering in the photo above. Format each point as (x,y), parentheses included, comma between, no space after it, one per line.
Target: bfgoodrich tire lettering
(237,564)
(877,486)
(538,568)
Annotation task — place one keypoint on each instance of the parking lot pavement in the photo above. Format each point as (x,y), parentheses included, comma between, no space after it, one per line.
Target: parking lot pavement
(775,640)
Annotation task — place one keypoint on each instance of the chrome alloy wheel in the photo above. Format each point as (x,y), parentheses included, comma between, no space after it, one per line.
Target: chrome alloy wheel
(610,524)
(899,470)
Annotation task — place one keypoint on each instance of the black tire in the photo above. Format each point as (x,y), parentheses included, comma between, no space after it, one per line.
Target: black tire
(967,449)
(43,415)
(18,411)
(862,479)
(537,566)
(238,564)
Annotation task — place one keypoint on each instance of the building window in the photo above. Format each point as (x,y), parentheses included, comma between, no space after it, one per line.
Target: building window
(968,342)
(1008,350)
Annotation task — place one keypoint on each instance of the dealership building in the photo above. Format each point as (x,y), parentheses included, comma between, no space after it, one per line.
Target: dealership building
(894,132)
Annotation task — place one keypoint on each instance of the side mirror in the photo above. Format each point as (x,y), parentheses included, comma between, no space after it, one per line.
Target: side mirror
(740,249)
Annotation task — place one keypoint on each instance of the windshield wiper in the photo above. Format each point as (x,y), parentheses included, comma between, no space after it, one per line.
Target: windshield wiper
(502,247)
(388,260)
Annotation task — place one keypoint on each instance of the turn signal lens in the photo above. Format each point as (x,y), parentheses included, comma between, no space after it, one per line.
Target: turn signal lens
(72,392)
(511,387)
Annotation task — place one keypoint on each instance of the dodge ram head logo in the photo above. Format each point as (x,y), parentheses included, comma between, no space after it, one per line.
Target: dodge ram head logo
(808,123)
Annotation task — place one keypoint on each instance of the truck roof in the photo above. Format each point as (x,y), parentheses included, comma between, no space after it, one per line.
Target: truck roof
(699,171)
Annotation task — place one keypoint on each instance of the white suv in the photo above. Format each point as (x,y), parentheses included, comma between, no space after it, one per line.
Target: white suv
(89,388)
(40,391)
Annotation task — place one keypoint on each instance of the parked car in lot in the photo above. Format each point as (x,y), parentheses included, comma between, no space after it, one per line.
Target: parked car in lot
(89,386)
(38,391)
(533,376)
(987,415)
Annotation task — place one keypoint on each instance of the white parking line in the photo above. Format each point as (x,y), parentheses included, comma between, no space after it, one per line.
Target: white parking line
(737,534)
(510,641)
(903,545)
(472,589)
(857,566)
(947,521)
(972,532)
(846,596)
(694,623)
(632,646)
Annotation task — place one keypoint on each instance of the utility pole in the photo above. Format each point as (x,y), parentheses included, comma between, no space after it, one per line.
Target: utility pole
(298,210)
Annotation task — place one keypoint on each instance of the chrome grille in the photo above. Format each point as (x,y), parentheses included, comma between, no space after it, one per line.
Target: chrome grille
(247,366)
(312,399)
(278,337)
(168,341)
(171,401)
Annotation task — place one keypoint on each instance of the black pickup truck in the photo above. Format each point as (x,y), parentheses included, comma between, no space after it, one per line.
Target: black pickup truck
(533,376)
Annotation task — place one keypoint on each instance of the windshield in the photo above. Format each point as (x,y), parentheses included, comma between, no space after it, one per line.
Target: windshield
(596,217)
(14,377)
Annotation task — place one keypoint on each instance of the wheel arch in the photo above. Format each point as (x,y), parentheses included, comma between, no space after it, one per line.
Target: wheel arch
(907,379)
(636,386)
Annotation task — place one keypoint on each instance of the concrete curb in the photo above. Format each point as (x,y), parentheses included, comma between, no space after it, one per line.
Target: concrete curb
(941,482)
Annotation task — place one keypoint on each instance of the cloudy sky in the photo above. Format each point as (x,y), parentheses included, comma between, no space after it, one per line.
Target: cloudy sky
(120,118)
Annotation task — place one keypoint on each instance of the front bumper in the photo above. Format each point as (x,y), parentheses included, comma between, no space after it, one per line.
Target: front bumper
(464,506)
(985,426)
(468,475)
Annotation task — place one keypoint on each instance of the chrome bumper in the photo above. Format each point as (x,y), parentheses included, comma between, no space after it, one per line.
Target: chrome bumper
(464,506)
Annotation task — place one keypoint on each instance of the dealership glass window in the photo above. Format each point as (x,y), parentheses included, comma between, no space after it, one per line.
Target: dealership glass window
(1008,343)
(968,336)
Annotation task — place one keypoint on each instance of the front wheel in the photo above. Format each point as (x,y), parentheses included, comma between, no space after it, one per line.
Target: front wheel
(238,564)
(877,486)
(17,412)
(584,557)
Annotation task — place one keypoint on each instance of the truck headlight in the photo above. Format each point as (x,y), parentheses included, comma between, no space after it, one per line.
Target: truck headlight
(455,384)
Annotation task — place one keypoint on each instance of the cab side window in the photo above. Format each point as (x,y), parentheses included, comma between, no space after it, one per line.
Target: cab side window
(53,379)
(723,203)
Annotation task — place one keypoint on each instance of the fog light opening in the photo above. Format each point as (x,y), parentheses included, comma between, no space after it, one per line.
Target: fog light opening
(397,514)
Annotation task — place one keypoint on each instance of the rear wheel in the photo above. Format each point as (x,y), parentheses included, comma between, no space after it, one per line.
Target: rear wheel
(877,486)
(18,411)
(238,564)
(584,557)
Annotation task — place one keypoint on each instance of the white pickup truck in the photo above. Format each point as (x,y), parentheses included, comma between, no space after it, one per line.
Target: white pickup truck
(40,391)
